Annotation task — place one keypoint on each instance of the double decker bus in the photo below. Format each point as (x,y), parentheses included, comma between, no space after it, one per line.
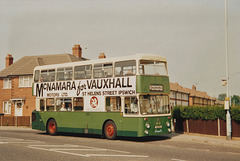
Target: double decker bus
(123,96)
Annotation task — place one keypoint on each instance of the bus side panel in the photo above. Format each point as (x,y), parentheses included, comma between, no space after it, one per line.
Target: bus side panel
(96,120)
(93,122)
(133,126)
(79,122)
(37,122)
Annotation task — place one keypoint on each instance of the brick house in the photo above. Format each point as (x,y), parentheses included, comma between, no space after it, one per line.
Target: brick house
(16,80)
(199,98)
(181,96)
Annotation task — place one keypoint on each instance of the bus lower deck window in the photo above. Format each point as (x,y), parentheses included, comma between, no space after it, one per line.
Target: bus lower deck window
(131,105)
(113,104)
(78,104)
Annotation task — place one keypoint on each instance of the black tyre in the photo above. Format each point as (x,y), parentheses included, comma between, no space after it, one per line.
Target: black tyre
(52,127)
(110,130)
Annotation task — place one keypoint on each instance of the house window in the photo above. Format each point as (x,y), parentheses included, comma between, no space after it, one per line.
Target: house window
(7,83)
(25,81)
(7,107)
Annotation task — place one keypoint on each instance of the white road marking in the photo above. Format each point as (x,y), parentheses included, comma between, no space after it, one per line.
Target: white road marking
(232,153)
(8,140)
(178,160)
(84,149)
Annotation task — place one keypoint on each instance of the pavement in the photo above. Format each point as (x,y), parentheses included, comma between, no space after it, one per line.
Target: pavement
(185,137)
(205,139)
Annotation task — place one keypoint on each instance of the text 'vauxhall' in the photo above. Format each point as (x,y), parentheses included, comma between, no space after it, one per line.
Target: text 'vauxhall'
(76,87)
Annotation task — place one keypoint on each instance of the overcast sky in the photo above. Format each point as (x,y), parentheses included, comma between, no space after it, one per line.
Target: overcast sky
(189,33)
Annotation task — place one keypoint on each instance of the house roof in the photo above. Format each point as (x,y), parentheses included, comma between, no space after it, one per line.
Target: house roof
(191,92)
(25,65)
(195,93)
(178,88)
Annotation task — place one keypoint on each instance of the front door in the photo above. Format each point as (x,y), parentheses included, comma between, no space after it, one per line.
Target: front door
(18,108)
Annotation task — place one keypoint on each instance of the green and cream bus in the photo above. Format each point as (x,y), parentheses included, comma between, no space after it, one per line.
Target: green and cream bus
(123,96)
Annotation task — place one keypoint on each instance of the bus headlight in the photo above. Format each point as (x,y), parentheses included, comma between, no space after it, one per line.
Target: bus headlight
(169,130)
(147,125)
(168,124)
(146,132)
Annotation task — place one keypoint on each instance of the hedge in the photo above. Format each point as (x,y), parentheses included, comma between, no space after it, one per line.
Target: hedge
(204,113)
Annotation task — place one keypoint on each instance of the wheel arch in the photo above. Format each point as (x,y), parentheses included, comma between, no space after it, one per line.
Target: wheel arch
(104,125)
(51,118)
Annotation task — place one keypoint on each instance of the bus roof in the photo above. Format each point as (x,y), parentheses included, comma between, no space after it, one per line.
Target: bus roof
(107,60)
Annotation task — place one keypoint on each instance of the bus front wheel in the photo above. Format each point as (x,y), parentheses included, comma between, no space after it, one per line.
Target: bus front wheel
(52,127)
(110,130)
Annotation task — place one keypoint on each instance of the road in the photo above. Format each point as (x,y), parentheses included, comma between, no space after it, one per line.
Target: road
(25,144)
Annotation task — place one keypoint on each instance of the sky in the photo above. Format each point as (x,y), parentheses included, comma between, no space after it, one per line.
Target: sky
(189,33)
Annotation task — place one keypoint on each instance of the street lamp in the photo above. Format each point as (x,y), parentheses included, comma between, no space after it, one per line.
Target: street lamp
(227,99)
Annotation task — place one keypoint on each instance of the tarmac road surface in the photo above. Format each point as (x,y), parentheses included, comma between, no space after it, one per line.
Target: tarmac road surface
(25,144)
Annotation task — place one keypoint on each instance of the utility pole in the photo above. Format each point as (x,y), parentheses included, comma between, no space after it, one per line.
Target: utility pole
(227,99)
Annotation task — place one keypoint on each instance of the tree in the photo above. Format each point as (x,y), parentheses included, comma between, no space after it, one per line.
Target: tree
(221,97)
(235,100)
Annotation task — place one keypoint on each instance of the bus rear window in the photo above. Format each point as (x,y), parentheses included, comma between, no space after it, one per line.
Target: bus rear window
(36,76)
(148,67)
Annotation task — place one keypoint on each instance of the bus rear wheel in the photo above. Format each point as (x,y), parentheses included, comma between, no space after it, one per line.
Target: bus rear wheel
(52,127)
(110,130)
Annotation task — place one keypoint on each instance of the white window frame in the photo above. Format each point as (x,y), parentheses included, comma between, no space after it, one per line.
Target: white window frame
(28,79)
(7,83)
(8,103)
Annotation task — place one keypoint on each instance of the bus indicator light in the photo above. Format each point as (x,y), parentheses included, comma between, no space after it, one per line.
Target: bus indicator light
(145,119)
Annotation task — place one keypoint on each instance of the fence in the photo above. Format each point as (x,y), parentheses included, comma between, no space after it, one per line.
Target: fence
(15,121)
(209,127)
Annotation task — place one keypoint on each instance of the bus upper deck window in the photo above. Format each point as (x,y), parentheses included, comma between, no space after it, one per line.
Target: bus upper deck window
(64,73)
(83,72)
(47,75)
(103,70)
(125,68)
(149,67)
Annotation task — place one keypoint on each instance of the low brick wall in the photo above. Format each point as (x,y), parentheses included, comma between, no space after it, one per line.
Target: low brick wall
(216,127)
(15,121)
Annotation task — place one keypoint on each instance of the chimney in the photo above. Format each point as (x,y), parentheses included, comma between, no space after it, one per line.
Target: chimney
(102,56)
(77,51)
(194,87)
(9,60)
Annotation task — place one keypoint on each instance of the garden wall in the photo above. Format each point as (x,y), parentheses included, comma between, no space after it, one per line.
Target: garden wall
(208,127)
(15,121)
